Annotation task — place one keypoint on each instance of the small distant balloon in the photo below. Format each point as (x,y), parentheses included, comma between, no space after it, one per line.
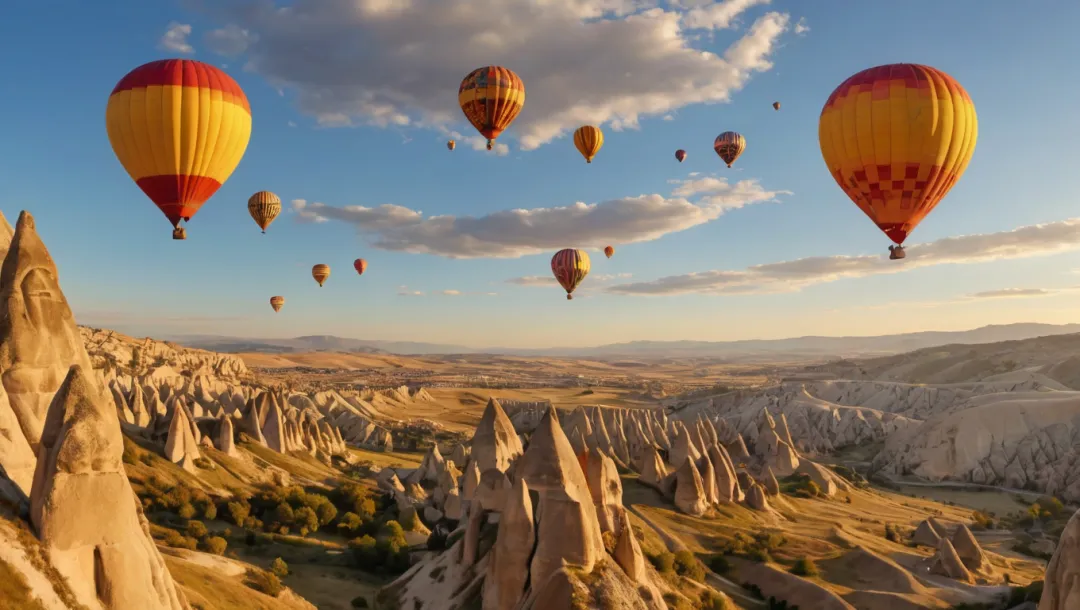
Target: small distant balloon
(680,155)
(264,207)
(776,105)
(451,144)
(277,303)
(360,265)
(588,139)
(729,145)
(609,251)
(320,273)
(570,266)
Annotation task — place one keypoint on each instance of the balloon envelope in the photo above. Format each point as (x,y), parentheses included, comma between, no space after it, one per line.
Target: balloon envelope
(360,265)
(320,273)
(680,155)
(179,127)
(277,303)
(609,251)
(729,145)
(588,140)
(776,105)
(491,98)
(896,138)
(451,144)
(264,207)
(570,267)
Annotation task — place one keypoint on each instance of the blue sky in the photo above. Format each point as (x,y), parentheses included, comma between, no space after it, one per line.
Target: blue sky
(353,62)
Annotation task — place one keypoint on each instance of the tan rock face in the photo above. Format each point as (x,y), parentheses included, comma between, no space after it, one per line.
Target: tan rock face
(653,470)
(495,444)
(969,551)
(507,574)
(38,336)
(755,498)
(689,491)
(181,447)
(947,563)
(605,486)
(1061,590)
(103,547)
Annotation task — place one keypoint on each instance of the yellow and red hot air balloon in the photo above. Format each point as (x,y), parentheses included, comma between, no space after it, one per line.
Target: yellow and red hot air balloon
(896,138)
(609,251)
(277,303)
(360,265)
(680,155)
(320,273)
(491,98)
(776,105)
(179,127)
(588,140)
(450,144)
(570,267)
(264,207)
(729,145)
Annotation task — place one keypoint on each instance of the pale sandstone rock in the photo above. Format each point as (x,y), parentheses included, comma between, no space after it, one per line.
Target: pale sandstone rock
(181,448)
(508,571)
(1061,589)
(605,486)
(225,443)
(494,443)
(689,491)
(38,336)
(103,547)
(947,563)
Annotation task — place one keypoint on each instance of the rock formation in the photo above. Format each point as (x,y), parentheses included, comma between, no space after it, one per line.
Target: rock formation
(1061,589)
(689,490)
(103,546)
(494,443)
(181,447)
(947,563)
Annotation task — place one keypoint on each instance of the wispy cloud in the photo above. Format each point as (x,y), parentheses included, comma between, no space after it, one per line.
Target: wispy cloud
(175,38)
(520,232)
(801,27)
(794,275)
(1021,293)
(403,291)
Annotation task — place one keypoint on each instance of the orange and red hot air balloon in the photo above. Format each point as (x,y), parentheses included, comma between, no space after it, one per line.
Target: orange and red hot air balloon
(320,273)
(491,98)
(776,105)
(277,303)
(570,267)
(680,155)
(609,251)
(360,265)
(896,138)
(729,145)
(264,207)
(179,127)
(451,145)
(588,139)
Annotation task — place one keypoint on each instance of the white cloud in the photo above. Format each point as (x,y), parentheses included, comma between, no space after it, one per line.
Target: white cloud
(175,38)
(791,276)
(450,293)
(583,61)
(533,280)
(403,291)
(520,232)
(801,27)
(1019,293)
(291,124)
(229,41)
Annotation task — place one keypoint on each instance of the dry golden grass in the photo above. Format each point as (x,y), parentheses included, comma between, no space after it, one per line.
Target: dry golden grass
(214,591)
(14,591)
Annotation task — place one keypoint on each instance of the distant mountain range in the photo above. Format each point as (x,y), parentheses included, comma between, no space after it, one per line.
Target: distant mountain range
(801,347)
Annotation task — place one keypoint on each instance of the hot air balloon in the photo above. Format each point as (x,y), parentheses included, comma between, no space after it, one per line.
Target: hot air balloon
(729,145)
(776,105)
(896,138)
(491,98)
(680,155)
(609,251)
(450,144)
(264,207)
(277,303)
(320,273)
(588,140)
(570,267)
(179,127)
(360,265)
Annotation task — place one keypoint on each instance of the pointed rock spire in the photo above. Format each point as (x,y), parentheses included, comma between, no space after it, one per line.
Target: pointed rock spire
(38,336)
(103,547)
(495,444)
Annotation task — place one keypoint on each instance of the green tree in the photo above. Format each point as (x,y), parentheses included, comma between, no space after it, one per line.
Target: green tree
(306,520)
(239,512)
(196,529)
(279,567)
(216,545)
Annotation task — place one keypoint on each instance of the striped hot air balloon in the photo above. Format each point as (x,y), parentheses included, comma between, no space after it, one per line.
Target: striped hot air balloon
(570,267)
(179,127)
(896,138)
(320,273)
(729,145)
(588,140)
(491,98)
(277,303)
(264,207)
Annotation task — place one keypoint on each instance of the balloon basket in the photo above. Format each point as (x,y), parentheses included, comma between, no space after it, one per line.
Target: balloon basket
(490,144)
(896,253)
(179,233)
(569,297)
